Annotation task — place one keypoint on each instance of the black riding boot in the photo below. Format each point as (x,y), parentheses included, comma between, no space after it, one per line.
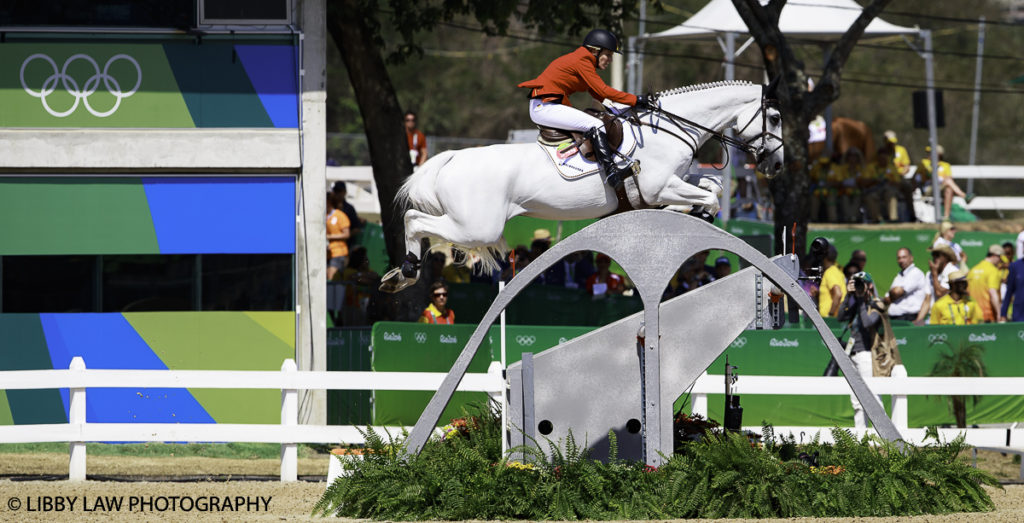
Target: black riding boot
(606,157)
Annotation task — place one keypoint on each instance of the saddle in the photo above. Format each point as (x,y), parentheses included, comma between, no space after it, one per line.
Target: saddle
(552,137)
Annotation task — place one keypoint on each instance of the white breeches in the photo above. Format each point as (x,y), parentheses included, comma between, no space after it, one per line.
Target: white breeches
(862,361)
(561,116)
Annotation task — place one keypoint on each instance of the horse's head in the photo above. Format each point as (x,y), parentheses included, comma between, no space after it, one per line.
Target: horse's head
(760,126)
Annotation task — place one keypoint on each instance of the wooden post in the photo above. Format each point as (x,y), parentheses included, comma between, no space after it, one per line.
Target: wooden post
(76,416)
(289,418)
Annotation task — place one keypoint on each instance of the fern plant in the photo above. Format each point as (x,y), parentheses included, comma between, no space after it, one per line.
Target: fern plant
(723,475)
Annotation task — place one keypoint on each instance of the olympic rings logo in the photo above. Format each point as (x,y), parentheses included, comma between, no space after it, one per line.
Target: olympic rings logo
(83,92)
(421,337)
(738,343)
(1020,334)
(932,338)
(526,340)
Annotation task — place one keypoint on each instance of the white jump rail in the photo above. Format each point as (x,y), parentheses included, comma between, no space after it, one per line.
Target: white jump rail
(288,434)
(899,386)
(289,380)
(991,172)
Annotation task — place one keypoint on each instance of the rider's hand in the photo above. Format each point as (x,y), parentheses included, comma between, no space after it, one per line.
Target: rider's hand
(646,101)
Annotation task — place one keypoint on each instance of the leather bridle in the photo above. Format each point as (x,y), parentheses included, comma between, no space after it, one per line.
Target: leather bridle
(759,151)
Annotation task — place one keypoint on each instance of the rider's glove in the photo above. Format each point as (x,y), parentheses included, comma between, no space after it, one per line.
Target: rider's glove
(646,101)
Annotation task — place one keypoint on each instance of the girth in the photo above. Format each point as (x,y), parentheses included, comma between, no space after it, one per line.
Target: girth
(612,126)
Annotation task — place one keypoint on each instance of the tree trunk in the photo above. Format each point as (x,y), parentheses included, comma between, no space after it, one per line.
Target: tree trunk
(791,190)
(382,115)
(385,134)
(960,411)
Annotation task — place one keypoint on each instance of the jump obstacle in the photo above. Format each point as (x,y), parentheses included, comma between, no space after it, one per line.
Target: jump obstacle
(624,377)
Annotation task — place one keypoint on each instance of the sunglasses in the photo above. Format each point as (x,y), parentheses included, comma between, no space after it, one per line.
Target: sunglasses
(440,294)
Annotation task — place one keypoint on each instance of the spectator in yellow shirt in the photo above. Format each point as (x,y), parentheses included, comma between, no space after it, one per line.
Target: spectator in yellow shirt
(948,187)
(880,183)
(983,284)
(956,307)
(833,285)
(901,162)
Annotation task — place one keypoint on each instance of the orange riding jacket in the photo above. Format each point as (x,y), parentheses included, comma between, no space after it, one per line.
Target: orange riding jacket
(573,73)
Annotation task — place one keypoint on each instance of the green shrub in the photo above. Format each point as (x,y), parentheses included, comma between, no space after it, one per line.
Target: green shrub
(463,476)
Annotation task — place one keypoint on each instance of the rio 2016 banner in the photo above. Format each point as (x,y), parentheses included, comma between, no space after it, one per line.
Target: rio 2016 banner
(412,347)
(171,83)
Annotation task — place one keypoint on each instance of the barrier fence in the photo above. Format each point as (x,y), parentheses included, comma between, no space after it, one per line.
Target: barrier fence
(398,347)
(78,431)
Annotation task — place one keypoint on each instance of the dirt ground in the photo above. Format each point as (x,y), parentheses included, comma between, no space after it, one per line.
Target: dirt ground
(25,498)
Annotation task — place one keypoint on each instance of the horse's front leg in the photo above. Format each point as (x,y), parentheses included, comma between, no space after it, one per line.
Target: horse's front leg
(679,192)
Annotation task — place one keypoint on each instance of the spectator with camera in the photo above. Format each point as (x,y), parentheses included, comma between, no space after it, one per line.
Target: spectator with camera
(956,307)
(866,314)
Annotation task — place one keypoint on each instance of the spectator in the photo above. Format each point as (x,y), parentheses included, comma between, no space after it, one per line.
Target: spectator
(874,187)
(1014,286)
(604,281)
(456,272)
(833,285)
(358,270)
(849,194)
(1004,265)
(821,191)
(723,267)
(519,259)
(983,284)
(438,310)
(900,156)
(859,259)
(703,273)
(540,244)
(947,231)
(572,271)
(892,184)
(863,310)
(337,233)
(956,307)
(908,290)
(417,140)
(356,224)
(941,266)
(948,187)
(1020,246)
(435,262)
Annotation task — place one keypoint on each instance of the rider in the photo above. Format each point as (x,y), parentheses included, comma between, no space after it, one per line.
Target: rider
(577,72)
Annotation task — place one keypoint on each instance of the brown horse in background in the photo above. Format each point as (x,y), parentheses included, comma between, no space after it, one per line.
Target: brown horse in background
(846,133)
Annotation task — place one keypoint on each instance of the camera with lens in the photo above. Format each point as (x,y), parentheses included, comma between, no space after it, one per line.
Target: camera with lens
(861,280)
(817,252)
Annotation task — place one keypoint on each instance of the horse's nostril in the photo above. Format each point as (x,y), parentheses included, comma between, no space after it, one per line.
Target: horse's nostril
(778,165)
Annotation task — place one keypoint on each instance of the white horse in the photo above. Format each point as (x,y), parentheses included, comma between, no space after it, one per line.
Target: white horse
(465,197)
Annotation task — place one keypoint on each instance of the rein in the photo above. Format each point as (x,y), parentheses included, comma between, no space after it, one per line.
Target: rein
(759,152)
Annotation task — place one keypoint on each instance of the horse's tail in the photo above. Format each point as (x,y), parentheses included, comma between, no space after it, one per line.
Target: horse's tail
(417,192)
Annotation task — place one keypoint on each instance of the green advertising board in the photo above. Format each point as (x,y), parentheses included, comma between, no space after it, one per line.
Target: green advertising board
(785,352)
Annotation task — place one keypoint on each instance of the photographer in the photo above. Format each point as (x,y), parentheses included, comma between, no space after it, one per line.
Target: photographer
(866,314)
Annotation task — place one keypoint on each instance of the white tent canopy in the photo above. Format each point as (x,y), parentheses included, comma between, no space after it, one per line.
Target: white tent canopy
(810,19)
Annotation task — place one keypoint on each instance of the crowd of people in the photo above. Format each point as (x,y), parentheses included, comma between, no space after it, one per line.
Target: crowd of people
(847,188)
(949,292)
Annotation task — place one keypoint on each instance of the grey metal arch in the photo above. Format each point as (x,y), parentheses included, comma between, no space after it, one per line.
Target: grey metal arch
(649,245)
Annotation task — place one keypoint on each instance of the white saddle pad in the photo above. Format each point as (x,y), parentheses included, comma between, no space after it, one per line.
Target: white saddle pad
(571,165)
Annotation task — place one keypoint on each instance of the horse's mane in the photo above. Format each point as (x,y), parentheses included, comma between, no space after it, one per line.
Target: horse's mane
(702,87)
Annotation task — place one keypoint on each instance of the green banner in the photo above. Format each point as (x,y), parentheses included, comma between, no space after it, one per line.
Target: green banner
(156,82)
(786,352)
(881,245)
(349,350)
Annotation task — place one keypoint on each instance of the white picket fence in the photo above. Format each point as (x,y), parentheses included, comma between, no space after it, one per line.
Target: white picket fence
(77,432)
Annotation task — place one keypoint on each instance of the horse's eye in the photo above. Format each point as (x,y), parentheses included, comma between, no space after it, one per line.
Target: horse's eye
(775,119)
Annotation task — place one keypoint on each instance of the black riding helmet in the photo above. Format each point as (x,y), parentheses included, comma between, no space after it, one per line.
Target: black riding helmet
(602,39)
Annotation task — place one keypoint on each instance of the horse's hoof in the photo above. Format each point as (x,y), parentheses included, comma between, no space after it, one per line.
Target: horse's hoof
(395,281)
(409,270)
